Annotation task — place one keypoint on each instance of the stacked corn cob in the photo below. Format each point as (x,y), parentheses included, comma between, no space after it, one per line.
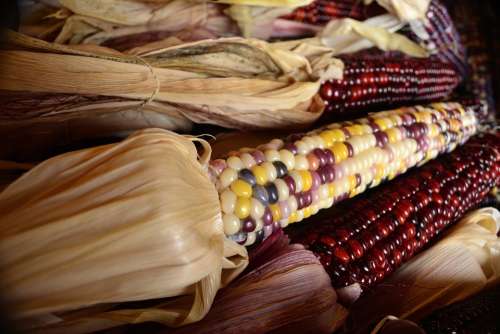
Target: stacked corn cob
(283,182)
(477,314)
(322,11)
(377,233)
(371,82)
(438,34)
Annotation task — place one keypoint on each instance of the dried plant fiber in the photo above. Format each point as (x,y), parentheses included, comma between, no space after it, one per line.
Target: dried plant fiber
(232,82)
(117,223)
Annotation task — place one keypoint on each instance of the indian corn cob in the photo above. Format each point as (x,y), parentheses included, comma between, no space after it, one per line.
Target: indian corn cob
(285,181)
(477,314)
(322,11)
(437,33)
(375,81)
(373,235)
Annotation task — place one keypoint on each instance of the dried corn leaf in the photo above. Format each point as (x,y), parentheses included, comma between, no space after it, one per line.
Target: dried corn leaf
(117,223)
(405,10)
(268,3)
(349,35)
(462,263)
(290,293)
(232,82)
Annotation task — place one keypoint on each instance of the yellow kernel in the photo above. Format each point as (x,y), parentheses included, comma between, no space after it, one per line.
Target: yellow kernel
(352,182)
(260,174)
(379,172)
(293,217)
(307,212)
(393,135)
(241,188)
(339,151)
(338,135)
(381,122)
(331,190)
(275,211)
(327,137)
(242,208)
(306,180)
(355,130)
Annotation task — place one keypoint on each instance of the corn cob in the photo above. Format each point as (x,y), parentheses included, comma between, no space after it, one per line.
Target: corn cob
(438,34)
(371,82)
(477,314)
(379,231)
(284,181)
(322,11)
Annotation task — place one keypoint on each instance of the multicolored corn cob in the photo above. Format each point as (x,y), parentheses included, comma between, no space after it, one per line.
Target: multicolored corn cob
(377,81)
(322,11)
(437,33)
(284,181)
(373,235)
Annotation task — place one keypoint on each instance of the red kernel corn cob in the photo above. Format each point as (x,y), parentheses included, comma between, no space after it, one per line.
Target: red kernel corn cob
(284,181)
(322,11)
(388,81)
(384,228)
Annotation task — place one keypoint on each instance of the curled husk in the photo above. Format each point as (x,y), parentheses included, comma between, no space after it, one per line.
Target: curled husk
(288,293)
(123,222)
(348,35)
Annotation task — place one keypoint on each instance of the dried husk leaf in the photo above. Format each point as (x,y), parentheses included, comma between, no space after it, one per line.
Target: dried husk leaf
(405,10)
(106,28)
(255,21)
(123,222)
(204,81)
(268,3)
(349,35)
(290,293)
(465,261)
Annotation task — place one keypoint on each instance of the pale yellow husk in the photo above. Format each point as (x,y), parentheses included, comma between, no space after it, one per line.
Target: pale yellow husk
(405,10)
(465,261)
(96,22)
(231,82)
(348,35)
(130,221)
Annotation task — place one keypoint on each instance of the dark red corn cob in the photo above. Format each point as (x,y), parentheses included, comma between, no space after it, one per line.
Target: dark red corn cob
(321,11)
(372,236)
(441,37)
(374,82)
(477,314)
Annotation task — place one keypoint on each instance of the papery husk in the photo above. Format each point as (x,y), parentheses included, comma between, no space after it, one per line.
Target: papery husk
(405,10)
(349,36)
(465,261)
(289,293)
(232,82)
(266,3)
(57,121)
(256,21)
(109,22)
(123,222)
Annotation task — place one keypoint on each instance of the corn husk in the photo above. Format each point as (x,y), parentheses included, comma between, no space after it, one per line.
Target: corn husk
(233,82)
(289,293)
(405,10)
(349,35)
(465,261)
(123,222)
(123,24)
